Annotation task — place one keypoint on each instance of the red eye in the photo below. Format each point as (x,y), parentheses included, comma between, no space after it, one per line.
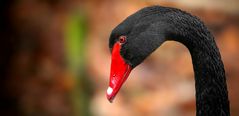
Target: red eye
(122,39)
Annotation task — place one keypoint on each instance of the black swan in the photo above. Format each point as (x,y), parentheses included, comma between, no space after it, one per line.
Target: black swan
(144,31)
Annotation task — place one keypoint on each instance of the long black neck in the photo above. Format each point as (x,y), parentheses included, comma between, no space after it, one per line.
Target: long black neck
(151,26)
(210,81)
(177,25)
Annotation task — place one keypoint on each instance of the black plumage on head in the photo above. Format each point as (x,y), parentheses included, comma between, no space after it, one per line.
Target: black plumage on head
(148,28)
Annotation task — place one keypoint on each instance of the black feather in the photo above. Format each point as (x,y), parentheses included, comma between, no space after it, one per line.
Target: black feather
(148,28)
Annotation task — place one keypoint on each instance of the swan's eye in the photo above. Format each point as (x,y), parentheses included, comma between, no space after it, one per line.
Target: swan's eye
(122,39)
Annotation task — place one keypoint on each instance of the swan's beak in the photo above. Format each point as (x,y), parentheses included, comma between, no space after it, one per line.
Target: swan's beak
(118,74)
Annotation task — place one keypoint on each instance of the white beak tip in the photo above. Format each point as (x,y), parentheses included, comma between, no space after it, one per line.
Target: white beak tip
(109,90)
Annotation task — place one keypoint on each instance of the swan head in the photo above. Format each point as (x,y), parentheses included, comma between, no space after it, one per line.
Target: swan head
(130,43)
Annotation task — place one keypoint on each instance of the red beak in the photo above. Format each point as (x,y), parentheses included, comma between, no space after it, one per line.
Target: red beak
(118,74)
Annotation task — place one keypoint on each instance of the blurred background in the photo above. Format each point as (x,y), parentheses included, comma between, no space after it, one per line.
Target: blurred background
(55,60)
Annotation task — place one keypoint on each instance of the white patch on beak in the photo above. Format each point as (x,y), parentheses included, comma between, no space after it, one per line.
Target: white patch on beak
(109,90)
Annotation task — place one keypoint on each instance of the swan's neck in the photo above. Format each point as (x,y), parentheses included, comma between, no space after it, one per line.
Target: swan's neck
(210,81)
(159,23)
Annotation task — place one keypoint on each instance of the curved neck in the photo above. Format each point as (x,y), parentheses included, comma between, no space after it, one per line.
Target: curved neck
(210,81)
